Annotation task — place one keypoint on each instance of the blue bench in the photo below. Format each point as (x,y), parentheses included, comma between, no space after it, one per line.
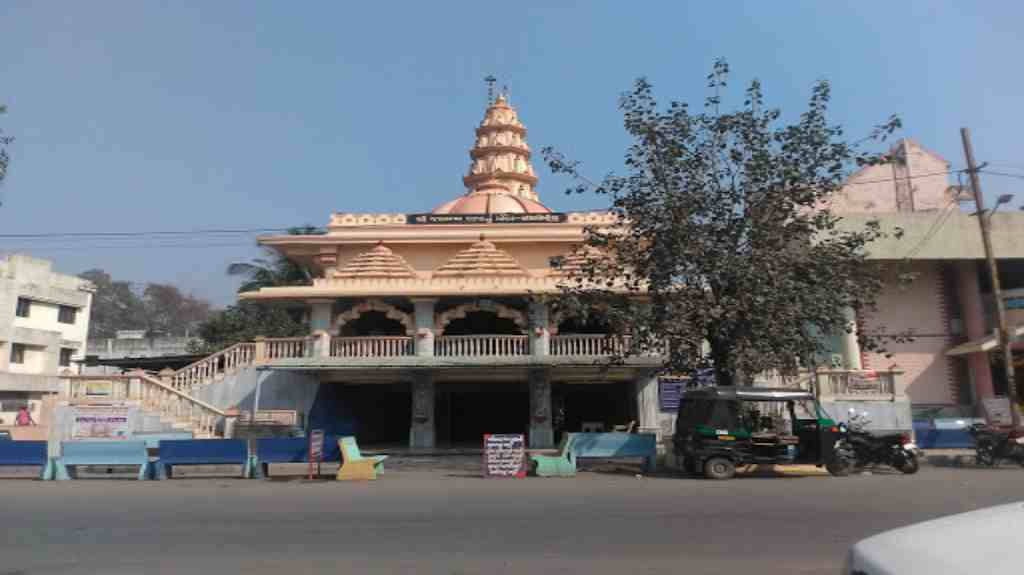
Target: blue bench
(615,445)
(202,452)
(289,450)
(26,453)
(153,439)
(106,453)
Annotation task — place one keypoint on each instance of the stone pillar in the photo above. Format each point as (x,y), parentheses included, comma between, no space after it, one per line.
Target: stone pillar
(320,311)
(321,343)
(424,336)
(260,350)
(973,313)
(851,347)
(542,433)
(540,340)
(421,432)
(645,390)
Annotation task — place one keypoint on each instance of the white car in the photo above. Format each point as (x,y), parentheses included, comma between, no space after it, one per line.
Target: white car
(983,541)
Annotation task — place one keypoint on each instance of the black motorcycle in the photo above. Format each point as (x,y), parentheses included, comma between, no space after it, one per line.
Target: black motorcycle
(896,450)
(992,445)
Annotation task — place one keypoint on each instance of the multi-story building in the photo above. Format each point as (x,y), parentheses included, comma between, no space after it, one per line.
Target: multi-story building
(44,323)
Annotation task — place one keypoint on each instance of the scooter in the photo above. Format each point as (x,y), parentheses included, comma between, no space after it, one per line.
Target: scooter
(992,445)
(896,450)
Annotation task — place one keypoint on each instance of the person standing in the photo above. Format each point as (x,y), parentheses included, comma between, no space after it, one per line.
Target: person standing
(24,418)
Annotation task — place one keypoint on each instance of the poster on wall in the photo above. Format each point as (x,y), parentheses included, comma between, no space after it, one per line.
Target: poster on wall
(504,455)
(101,422)
(99,388)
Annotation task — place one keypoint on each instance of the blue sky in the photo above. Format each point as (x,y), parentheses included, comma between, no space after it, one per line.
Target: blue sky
(142,116)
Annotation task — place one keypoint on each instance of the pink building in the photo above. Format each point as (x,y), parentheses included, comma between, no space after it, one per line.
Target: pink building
(948,306)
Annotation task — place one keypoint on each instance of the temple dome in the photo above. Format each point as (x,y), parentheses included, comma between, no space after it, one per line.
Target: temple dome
(501,179)
(493,203)
(481,259)
(380,262)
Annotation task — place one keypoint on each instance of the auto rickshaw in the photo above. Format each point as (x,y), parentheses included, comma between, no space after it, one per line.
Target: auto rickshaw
(721,428)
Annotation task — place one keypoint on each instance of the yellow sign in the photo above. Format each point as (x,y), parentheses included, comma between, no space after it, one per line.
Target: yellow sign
(99,388)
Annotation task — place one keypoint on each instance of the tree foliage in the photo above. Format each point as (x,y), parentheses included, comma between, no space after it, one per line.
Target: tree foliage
(4,142)
(244,322)
(159,309)
(726,250)
(274,269)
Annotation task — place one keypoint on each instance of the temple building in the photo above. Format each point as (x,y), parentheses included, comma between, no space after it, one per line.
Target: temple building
(429,328)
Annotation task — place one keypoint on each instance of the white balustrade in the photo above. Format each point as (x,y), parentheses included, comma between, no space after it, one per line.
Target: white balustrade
(481,345)
(286,347)
(180,408)
(385,346)
(215,367)
(858,383)
(588,345)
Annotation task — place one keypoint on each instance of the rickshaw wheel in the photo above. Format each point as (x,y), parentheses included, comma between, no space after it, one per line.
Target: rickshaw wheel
(719,468)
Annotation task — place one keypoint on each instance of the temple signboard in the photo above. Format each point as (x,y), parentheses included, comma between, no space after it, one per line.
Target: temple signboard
(470,219)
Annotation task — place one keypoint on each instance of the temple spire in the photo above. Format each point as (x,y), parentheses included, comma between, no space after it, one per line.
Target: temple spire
(501,157)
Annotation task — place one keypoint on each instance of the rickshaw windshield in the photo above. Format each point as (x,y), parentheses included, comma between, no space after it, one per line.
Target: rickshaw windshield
(722,414)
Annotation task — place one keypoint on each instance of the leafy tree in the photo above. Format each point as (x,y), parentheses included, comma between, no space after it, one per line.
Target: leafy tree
(170,312)
(725,250)
(159,309)
(244,322)
(275,269)
(4,157)
(115,306)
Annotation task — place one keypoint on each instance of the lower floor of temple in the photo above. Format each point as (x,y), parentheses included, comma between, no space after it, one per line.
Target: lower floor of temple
(429,413)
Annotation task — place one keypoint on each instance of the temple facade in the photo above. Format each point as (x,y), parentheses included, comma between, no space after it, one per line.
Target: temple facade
(430,328)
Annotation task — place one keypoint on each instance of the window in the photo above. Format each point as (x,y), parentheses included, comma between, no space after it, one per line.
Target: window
(24,305)
(13,400)
(66,314)
(65,356)
(17,353)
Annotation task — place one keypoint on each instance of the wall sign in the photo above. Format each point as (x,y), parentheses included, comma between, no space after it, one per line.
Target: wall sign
(671,388)
(101,422)
(316,451)
(504,455)
(457,219)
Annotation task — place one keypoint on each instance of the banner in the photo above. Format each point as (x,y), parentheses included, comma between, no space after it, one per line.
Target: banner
(101,422)
(464,219)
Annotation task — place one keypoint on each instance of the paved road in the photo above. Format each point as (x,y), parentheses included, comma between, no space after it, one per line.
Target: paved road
(449,522)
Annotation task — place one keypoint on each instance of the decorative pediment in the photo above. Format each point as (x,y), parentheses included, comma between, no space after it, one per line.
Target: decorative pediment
(390,311)
(380,262)
(461,311)
(481,259)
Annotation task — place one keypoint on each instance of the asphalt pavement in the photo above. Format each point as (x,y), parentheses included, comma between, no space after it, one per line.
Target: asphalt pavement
(420,519)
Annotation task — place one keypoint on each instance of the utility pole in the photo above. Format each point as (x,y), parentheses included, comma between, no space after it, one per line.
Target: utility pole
(985,222)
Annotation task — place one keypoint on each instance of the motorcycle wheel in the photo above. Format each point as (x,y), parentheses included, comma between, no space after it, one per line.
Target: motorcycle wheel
(839,466)
(907,465)
(985,455)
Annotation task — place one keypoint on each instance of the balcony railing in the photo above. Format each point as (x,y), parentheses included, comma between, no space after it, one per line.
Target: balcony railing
(838,383)
(857,383)
(287,347)
(372,347)
(589,345)
(481,346)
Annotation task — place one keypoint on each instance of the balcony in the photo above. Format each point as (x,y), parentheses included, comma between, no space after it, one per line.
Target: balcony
(841,384)
(482,346)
